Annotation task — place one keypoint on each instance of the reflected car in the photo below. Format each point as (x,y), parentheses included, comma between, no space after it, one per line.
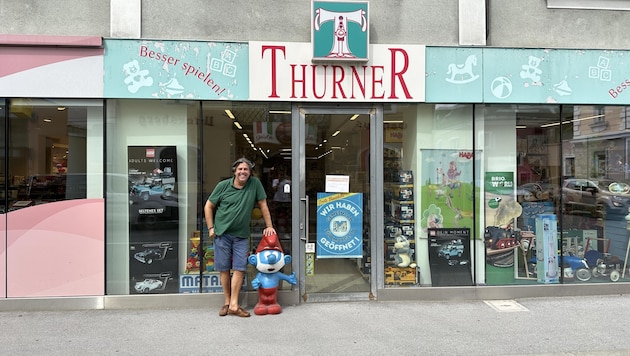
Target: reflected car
(597,196)
(148,285)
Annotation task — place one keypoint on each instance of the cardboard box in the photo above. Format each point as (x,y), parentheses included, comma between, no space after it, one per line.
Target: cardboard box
(400,276)
(405,177)
(403,192)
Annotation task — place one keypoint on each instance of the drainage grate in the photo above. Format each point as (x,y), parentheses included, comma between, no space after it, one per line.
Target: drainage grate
(505,305)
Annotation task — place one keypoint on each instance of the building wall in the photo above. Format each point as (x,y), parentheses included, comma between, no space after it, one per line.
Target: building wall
(518,23)
(510,23)
(55,17)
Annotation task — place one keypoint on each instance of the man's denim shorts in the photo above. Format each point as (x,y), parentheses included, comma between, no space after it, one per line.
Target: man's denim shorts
(230,252)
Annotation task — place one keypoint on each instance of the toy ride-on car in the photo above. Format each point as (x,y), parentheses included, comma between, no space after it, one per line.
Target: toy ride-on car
(573,267)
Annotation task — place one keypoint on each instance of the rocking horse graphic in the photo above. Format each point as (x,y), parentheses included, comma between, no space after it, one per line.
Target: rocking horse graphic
(465,71)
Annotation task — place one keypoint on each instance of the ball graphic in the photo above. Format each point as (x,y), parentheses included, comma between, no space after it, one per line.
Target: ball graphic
(501,87)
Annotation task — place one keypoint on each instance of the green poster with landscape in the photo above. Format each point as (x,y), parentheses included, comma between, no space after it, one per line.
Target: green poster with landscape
(447,186)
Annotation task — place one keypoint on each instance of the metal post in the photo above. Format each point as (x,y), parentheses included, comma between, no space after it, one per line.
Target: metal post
(625,261)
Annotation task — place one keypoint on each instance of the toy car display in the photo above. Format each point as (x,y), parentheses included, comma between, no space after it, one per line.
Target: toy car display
(149,255)
(148,285)
(573,267)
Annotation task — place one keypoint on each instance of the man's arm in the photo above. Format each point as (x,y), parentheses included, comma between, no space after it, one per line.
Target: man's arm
(208,211)
(264,208)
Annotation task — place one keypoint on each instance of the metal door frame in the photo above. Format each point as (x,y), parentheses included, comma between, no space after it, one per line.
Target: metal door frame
(300,204)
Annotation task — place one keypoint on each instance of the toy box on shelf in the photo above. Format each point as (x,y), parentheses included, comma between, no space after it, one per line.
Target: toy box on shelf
(193,261)
(400,276)
(399,235)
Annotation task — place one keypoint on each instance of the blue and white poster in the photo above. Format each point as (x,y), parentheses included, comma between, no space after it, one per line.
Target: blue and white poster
(339,225)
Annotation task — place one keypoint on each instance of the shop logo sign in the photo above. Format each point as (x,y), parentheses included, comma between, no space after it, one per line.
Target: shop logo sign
(340,30)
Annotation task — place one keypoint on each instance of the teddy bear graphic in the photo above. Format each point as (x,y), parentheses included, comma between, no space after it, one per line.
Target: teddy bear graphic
(136,78)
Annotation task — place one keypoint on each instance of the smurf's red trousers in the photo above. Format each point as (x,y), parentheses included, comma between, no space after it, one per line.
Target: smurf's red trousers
(267,302)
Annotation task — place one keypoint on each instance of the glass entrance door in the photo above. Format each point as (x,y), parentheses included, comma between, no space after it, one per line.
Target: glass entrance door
(335,229)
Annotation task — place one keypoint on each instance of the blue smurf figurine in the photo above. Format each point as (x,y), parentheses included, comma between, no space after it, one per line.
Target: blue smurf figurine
(268,260)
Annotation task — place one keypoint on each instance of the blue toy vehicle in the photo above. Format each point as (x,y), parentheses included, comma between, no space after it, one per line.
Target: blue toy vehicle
(154,187)
(578,267)
(451,249)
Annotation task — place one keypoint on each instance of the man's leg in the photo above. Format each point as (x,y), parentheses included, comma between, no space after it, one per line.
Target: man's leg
(237,284)
(226,284)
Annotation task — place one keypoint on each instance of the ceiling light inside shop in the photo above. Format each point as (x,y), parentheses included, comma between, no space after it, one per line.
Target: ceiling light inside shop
(354,117)
(336,133)
(238,125)
(47,119)
(279,112)
(521,126)
(229,114)
(393,122)
(61,108)
(574,120)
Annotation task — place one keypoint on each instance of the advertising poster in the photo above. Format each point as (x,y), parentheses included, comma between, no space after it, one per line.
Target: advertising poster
(502,242)
(501,211)
(447,185)
(449,257)
(153,219)
(339,225)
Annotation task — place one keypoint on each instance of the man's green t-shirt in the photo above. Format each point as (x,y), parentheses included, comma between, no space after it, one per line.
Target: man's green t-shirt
(234,206)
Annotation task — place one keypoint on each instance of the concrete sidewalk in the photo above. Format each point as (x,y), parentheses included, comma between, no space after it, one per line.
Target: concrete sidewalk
(597,325)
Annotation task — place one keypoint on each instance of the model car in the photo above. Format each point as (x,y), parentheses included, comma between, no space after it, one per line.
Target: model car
(452,249)
(148,285)
(597,196)
(147,256)
(144,191)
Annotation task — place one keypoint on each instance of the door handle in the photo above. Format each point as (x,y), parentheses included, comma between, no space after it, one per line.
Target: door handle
(304,223)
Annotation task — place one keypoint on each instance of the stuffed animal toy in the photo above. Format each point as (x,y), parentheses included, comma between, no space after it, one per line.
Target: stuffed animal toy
(268,260)
(403,251)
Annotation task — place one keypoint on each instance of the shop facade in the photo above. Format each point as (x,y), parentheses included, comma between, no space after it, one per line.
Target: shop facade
(391,173)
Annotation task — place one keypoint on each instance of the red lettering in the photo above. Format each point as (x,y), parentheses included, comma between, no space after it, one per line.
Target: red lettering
(356,78)
(399,74)
(314,75)
(337,81)
(274,78)
(377,80)
(612,93)
(294,80)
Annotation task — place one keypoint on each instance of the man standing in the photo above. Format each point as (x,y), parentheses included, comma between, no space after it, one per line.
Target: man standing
(228,213)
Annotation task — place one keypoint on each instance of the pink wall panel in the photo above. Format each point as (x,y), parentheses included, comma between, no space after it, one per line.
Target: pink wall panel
(56,249)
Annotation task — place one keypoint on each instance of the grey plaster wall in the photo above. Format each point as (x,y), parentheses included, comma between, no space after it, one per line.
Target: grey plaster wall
(392,21)
(55,17)
(511,23)
(528,23)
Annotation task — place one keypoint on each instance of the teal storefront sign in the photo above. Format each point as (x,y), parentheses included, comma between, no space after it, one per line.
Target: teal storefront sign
(454,75)
(340,30)
(518,75)
(176,70)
